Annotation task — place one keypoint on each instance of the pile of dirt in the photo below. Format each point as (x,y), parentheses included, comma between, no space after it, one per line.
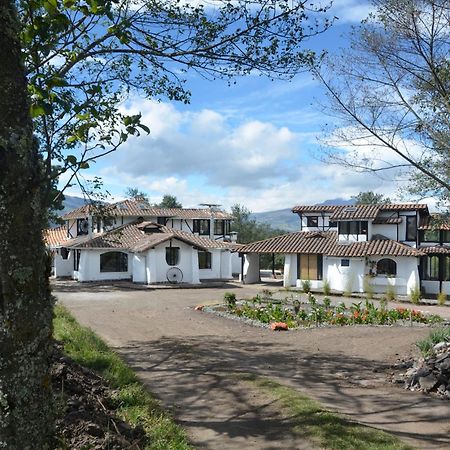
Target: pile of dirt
(87,417)
(430,374)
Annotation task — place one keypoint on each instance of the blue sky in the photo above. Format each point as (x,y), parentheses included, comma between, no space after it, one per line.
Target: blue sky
(255,143)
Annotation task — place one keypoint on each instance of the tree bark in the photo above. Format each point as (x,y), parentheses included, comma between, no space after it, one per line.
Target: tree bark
(26,413)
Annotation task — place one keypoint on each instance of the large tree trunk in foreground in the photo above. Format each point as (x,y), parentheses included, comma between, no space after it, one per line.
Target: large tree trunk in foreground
(26,418)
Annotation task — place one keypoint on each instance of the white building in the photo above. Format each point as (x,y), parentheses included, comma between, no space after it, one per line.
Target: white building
(131,240)
(393,246)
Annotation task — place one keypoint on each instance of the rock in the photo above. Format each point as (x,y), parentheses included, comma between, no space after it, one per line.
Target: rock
(444,366)
(441,346)
(199,308)
(442,356)
(427,382)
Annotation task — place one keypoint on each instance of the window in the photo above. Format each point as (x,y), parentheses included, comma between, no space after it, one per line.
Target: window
(353,227)
(436,268)
(204,260)
(411,228)
(387,267)
(309,267)
(76,259)
(201,226)
(64,253)
(219,227)
(114,262)
(162,220)
(430,236)
(345,263)
(312,221)
(172,255)
(446,236)
(82,227)
(333,224)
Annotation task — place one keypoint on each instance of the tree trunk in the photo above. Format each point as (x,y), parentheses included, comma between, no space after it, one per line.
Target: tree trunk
(26,413)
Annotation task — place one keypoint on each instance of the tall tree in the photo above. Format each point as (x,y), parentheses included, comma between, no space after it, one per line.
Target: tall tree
(169,201)
(370,198)
(26,417)
(136,194)
(391,90)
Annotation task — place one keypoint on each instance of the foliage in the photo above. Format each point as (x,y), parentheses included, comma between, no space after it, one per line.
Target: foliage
(249,230)
(306,286)
(314,314)
(441,298)
(368,288)
(391,90)
(84,58)
(436,336)
(134,403)
(169,201)
(326,287)
(230,299)
(135,194)
(390,292)
(415,295)
(370,198)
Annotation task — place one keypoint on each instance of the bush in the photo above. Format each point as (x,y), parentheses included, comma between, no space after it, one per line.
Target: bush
(390,293)
(415,295)
(436,336)
(306,286)
(230,299)
(326,287)
(326,302)
(368,288)
(441,298)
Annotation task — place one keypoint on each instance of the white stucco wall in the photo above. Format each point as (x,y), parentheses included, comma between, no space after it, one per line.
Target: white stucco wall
(344,278)
(290,270)
(433,287)
(235,263)
(139,268)
(251,268)
(89,267)
(62,267)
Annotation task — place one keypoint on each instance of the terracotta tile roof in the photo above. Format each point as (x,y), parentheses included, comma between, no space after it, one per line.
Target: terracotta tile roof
(440,249)
(435,222)
(326,243)
(387,220)
(132,237)
(355,212)
(54,237)
(133,208)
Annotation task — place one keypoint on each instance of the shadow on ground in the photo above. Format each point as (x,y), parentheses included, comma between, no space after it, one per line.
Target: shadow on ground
(201,379)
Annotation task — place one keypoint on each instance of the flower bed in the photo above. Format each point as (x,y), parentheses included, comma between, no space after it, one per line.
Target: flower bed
(295,313)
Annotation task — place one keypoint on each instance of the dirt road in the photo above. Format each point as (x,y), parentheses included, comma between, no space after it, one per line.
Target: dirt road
(192,361)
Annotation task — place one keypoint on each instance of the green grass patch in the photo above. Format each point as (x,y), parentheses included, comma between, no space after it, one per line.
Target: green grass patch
(436,336)
(326,429)
(134,404)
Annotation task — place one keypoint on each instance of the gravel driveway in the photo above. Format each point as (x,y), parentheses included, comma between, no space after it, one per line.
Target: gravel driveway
(191,360)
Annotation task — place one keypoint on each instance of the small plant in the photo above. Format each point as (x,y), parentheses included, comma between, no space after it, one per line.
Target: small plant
(390,293)
(368,288)
(415,295)
(311,299)
(327,302)
(384,303)
(326,287)
(296,306)
(349,286)
(230,300)
(436,336)
(441,298)
(306,286)
(267,293)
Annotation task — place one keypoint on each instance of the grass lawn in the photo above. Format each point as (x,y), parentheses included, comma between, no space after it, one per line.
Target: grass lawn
(135,404)
(325,429)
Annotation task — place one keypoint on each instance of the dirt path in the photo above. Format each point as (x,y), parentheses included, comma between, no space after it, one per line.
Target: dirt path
(192,361)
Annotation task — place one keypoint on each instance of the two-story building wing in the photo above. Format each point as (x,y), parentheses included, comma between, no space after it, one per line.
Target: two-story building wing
(392,246)
(134,241)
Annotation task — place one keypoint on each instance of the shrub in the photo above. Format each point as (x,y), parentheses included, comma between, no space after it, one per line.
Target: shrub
(306,286)
(390,293)
(267,293)
(383,302)
(415,295)
(230,299)
(368,288)
(326,287)
(311,299)
(436,336)
(327,302)
(441,298)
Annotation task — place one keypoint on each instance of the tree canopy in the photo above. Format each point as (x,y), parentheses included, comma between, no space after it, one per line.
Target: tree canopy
(370,198)
(169,201)
(84,58)
(391,92)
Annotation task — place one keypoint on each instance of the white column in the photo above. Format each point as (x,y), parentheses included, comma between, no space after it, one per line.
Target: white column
(251,268)
(195,270)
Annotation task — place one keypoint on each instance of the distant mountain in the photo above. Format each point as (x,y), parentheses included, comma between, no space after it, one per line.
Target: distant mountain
(71,203)
(284,219)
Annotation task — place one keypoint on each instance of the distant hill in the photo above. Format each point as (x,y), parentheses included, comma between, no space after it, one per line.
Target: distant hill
(284,219)
(71,203)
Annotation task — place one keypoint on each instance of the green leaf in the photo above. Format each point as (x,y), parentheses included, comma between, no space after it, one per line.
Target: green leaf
(37,110)
(71,159)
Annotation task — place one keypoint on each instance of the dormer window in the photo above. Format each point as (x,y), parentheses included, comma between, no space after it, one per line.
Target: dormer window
(312,221)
